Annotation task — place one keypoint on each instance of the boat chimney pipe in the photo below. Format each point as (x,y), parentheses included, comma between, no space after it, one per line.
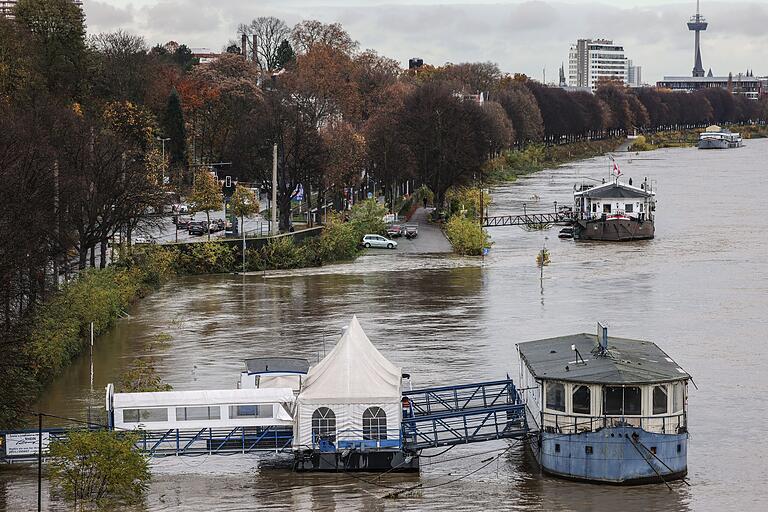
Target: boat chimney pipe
(602,337)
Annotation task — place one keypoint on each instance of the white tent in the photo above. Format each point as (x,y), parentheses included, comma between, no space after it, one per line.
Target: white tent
(352,378)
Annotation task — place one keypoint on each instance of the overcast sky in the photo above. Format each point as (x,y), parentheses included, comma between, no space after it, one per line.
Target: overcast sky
(521,36)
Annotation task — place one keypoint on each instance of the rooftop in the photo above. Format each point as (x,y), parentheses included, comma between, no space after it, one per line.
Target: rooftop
(628,361)
(614,190)
(276,365)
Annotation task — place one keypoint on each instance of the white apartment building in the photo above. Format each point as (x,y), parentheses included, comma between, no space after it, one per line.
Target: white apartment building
(590,61)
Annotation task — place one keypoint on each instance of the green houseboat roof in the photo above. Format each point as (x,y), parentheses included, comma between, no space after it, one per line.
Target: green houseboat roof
(626,362)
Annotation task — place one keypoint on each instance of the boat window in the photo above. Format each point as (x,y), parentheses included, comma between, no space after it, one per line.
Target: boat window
(678,396)
(629,208)
(606,208)
(145,415)
(622,401)
(594,207)
(659,399)
(198,413)
(374,424)
(250,411)
(581,402)
(556,396)
(323,425)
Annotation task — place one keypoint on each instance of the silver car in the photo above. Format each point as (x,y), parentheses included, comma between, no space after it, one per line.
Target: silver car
(378,241)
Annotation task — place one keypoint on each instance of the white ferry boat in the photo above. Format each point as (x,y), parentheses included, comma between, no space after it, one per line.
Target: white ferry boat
(715,137)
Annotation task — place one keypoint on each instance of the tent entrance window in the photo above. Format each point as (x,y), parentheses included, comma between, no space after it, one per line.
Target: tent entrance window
(374,424)
(324,425)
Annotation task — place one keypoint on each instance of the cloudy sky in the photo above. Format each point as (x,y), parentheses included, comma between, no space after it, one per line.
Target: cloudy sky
(520,35)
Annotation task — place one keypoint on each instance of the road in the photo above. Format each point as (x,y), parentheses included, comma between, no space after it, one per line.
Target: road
(431,239)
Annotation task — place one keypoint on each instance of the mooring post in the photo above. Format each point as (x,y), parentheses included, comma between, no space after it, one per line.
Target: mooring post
(39,462)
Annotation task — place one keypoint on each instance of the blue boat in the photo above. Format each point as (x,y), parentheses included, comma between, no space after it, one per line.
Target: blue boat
(607,410)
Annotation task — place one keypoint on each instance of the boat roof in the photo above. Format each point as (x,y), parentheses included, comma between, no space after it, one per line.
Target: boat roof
(259,365)
(627,361)
(614,189)
(203,397)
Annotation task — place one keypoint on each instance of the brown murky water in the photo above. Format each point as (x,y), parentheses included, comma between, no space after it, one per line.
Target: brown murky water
(700,289)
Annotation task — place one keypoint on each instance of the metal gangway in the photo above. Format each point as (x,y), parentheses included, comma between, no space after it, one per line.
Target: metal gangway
(529,219)
(469,413)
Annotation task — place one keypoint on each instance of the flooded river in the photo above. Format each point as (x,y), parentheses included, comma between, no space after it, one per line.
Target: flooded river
(699,289)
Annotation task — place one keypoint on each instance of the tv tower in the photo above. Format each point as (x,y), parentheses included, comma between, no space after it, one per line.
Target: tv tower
(698,24)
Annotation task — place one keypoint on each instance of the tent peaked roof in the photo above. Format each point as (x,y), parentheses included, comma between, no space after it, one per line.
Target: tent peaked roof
(353,372)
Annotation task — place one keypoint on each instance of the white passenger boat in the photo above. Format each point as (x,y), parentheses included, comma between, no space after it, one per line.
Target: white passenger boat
(715,137)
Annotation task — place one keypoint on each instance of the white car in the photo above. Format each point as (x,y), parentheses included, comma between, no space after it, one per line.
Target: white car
(378,241)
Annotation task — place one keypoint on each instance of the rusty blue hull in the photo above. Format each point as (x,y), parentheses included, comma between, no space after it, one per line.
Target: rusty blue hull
(616,455)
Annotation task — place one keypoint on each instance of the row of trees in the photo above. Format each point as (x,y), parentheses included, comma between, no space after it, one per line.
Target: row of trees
(80,120)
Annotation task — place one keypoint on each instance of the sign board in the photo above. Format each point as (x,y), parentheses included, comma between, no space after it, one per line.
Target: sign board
(370,195)
(24,444)
(298,194)
(486,250)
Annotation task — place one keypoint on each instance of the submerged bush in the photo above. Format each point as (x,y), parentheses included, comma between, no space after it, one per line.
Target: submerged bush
(467,237)
(282,254)
(141,377)
(99,467)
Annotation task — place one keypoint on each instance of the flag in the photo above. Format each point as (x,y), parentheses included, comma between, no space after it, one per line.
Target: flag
(616,169)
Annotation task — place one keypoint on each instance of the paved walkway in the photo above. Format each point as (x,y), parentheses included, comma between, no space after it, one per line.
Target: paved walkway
(431,239)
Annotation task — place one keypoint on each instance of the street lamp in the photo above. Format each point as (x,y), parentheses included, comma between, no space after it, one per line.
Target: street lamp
(555,207)
(163,140)
(525,209)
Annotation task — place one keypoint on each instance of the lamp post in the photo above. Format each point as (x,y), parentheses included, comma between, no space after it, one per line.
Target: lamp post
(163,140)
(525,209)
(555,207)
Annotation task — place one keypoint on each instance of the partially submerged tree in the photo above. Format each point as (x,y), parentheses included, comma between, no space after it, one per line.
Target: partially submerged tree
(99,467)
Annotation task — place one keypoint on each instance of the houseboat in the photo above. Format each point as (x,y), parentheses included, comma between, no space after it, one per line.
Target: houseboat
(614,211)
(608,410)
(715,137)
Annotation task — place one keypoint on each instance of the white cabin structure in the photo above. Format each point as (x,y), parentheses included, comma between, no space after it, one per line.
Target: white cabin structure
(352,397)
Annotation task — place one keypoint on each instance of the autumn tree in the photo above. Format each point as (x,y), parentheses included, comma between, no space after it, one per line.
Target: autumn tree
(310,33)
(523,111)
(121,68)
(206,196)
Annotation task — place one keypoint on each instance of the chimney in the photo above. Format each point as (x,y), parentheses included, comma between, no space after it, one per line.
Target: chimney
(255,51)
(244,44)
(602,337)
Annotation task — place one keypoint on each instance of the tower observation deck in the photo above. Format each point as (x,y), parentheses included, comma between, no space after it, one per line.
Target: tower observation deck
(697,24)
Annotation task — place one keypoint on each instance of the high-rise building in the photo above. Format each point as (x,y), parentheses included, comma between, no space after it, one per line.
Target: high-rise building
(6,7)
(592,61)
(634,75)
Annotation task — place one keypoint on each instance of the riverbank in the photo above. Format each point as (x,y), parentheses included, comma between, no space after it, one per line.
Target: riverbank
(690,138)
(537,157)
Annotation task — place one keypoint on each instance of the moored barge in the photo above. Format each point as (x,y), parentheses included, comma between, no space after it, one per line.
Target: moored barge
(608,410)
(614,211)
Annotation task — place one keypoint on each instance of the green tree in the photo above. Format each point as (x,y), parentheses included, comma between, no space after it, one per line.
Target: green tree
(243,203)
(367,217)
(467,237)
(99,467)
(285,54)
(173,128)
(142,377)
(206,196)
(183,57)
(58,27)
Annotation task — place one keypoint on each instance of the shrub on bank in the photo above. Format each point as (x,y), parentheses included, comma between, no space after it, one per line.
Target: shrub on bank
(281,254)
(640,144)
(205,258)
(467,237)
(368,217)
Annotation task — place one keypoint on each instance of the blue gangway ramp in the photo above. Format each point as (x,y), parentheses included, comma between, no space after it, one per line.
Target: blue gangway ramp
(468,413)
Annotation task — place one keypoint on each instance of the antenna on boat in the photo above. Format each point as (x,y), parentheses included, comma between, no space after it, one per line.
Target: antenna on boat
(602,340)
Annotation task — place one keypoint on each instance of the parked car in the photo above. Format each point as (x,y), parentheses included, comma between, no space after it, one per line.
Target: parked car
(378,241)
(196,228)
(182,221)
(394,230)
(411,231)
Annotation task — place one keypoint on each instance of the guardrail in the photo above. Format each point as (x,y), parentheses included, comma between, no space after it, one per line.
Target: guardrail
(571,424)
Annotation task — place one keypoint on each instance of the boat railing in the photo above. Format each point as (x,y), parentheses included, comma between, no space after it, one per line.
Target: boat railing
(573,424)
(362,439)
